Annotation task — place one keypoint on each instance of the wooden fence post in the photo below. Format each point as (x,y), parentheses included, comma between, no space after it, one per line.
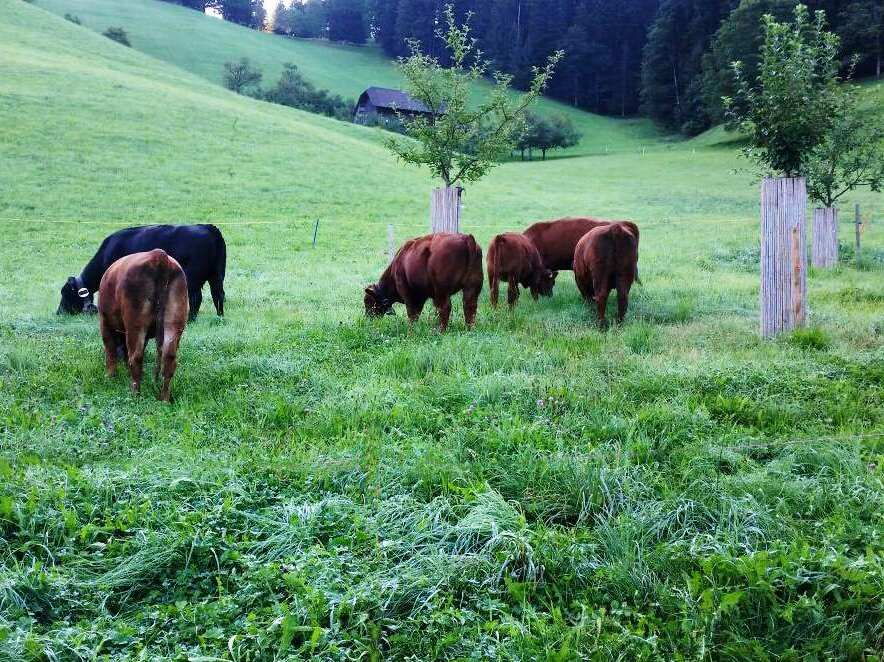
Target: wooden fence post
(783,254)
(391,244)
(445,209)
(858,223)
(824,252)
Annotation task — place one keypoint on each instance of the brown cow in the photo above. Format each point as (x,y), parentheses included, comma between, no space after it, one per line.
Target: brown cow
(431,267)
(143,296)
(607,258)
(514,258)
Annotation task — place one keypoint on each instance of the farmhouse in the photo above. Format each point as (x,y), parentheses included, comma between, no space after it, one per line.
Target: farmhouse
(381,105)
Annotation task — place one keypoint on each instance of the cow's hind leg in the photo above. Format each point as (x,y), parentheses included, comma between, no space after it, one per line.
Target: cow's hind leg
(443,307)
(494,285)
(470,304)
(216,287)
(623,287)
(169,361)
(512,291)
(196,300)
(109,338)
(601,299)
(135,340)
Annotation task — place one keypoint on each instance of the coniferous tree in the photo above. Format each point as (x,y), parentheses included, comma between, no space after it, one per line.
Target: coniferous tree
(346,21)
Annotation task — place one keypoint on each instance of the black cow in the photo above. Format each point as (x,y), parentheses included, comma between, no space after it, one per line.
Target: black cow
(199,249)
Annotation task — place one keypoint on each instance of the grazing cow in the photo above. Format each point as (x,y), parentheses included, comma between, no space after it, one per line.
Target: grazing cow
(607,258)
(143,296)
(512,257)
(199,249)
(431,267)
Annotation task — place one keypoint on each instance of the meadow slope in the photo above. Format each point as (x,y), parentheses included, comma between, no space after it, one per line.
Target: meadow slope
(327,486)
(202,44)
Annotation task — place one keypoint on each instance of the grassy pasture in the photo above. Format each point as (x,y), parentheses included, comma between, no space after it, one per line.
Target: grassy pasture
(325,486)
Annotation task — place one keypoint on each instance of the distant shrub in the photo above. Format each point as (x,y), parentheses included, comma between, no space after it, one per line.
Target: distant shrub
(73,19)
(118,35)
(295,91)
(242,76)
(810,338)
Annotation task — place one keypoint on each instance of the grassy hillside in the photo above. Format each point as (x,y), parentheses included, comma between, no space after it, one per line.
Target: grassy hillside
(330,487)
(202,44)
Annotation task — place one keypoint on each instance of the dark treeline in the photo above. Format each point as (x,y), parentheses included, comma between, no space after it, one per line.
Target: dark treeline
(667,59)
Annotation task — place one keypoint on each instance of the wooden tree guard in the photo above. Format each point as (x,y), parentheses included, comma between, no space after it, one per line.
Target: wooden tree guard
(824,252)
(445,209)
(783,255)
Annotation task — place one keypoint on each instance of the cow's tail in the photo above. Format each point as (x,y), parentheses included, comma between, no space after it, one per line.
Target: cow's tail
(635,231)
(216,281)
(160,297)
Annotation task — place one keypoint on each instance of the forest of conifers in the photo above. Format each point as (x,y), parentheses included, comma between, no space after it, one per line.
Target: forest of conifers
(667,59)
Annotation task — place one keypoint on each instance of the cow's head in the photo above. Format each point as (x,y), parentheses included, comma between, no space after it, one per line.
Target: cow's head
(544,283)
(75,298)
(377,303)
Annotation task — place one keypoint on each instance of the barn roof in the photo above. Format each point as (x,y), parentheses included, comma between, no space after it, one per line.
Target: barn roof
(384,97)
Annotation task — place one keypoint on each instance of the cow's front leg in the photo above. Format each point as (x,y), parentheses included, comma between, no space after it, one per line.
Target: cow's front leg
(414,308)
(443,307)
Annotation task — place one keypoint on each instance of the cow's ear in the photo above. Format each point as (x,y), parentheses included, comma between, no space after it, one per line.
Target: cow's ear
(370,292)
(72,282)
(553,274)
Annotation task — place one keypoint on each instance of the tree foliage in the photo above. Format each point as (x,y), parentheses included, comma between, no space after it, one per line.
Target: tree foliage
(851,154)
(546,133)
(461,140)
(118,34)
(787,112)
(293,90)
(241,76)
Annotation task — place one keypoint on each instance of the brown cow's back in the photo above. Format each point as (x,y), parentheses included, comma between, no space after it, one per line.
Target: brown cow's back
(142,296)
(556,240)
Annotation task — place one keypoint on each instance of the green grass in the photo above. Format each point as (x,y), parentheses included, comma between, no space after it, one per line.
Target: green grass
(328,486)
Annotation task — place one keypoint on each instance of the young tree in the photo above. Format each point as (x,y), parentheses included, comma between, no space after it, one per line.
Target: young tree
(240,76)
(460,141)
(851,154)
(787,112)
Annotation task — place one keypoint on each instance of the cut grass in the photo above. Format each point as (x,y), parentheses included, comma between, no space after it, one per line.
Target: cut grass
(329,486)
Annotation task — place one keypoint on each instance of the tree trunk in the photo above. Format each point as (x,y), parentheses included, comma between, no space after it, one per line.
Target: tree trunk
(445,209)
(783,254)
(824,252)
